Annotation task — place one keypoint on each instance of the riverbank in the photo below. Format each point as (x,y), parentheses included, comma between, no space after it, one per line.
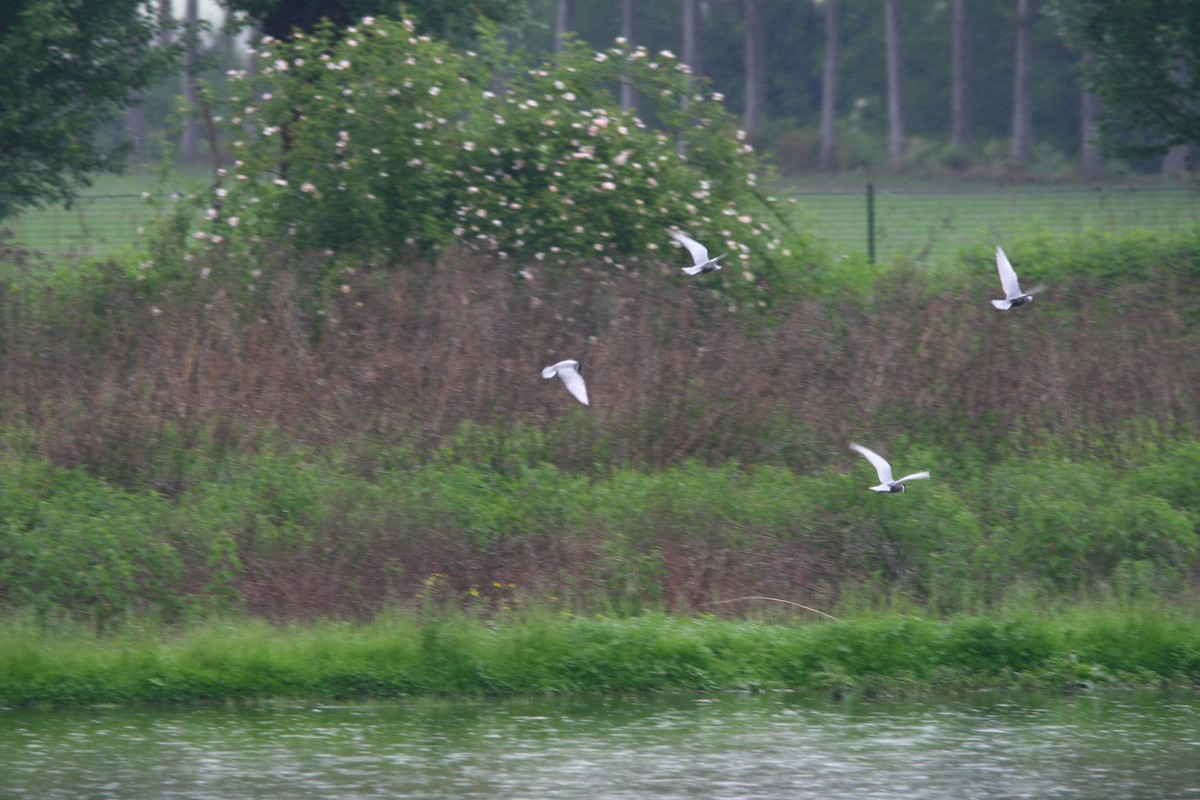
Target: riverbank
(414,654)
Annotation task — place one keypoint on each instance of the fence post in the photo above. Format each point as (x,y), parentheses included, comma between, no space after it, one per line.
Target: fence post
(870,223)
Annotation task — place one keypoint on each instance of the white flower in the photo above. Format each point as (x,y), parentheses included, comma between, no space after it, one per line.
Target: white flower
(468,146)
(608,185)
(233,222)
(352,42)
(307,187)
(435,90)
(281,65)
(279,182)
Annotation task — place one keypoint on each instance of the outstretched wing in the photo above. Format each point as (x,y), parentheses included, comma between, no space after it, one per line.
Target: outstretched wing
(699,252)
(1008,275)
(914,477)
(574,381)
(882,467)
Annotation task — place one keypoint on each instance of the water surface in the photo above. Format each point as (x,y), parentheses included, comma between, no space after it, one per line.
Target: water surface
(773,745)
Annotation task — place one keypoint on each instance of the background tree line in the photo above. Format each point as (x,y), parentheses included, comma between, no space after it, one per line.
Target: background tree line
(981,87)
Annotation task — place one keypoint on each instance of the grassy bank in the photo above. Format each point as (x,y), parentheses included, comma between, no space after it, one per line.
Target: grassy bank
(405,654)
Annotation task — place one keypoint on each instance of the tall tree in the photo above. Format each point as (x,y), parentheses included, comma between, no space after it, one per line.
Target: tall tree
(191,125)
(450,19)
(1144,64)
(564,23)
(629,34)
(1090,164)
(755,81)
(895,83)
(691,35)
(1022,112)
(959,107)
(69,68)
(829,87)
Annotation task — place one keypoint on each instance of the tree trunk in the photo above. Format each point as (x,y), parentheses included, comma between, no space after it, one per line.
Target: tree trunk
(564,23)
(895,84)
(135,126)
(755,70)
(629,33)
(1090,162)
(1022,116)
(191,126)
(959,125)
(691,36)
(829,88)
(1174,163)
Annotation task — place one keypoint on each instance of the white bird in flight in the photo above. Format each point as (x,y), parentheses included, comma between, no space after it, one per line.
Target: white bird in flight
(886,484)
(1013,296)
(699,255)
(569,372)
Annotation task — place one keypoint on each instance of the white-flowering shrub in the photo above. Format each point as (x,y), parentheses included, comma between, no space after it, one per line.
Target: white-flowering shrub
(379,141)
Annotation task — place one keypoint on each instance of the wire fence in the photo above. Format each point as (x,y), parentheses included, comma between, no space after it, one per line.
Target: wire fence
(915,224)
(925,224)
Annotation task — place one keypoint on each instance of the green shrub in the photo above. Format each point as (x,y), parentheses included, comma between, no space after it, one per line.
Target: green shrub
(377,142)
(70,541)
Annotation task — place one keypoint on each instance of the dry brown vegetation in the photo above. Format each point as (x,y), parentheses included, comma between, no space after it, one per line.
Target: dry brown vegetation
(404,358)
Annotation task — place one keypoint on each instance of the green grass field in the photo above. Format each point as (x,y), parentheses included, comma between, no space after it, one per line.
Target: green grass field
(924,223)
(112,215)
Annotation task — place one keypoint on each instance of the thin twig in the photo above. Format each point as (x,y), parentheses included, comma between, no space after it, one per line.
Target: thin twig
(773,600)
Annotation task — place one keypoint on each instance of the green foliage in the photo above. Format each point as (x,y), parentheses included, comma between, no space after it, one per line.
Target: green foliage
(69,67)
(1140,57)
(1073,522)
(384,140)
(69,541)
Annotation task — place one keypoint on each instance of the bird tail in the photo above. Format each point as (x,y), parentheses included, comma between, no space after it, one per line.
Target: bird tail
(1003,305)
(691,270)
